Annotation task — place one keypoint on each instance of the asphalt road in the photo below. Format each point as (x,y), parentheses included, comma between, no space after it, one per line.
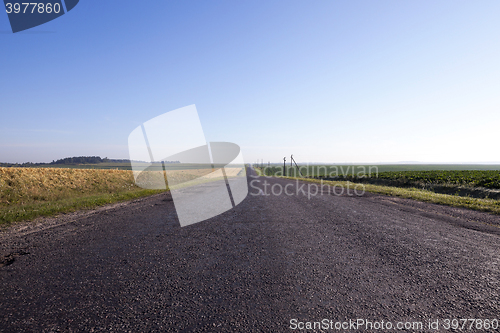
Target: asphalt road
(271,259)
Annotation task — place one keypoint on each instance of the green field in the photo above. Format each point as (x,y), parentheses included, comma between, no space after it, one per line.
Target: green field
(332,171)
(474,176)
(471,181)
(469,178)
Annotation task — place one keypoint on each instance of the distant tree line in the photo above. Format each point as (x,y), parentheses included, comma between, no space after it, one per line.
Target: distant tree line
(94,160)
(75,161)
(20,165)
(81,160)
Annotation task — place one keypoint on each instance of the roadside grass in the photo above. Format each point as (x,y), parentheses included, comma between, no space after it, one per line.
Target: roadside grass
(27,193)
(485,205)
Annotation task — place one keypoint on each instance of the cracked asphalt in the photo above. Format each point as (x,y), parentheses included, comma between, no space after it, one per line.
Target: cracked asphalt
(273,258)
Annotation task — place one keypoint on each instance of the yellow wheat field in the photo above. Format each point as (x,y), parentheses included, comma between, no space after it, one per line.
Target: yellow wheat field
(27,193)
(25,185)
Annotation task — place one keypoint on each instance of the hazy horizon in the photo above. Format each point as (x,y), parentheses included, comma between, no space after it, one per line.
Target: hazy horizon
(307,163)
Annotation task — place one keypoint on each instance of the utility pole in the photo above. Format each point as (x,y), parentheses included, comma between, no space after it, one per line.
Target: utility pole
(291,157)
(284,166)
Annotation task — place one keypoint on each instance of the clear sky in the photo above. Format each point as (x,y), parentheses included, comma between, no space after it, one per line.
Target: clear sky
(329,81)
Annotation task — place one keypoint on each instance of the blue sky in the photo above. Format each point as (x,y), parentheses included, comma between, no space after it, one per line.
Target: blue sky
(329,81)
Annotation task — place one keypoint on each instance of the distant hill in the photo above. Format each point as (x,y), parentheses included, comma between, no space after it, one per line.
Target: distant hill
(78,160)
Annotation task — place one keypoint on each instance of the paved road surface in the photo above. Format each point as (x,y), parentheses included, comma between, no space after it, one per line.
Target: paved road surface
(252,269)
